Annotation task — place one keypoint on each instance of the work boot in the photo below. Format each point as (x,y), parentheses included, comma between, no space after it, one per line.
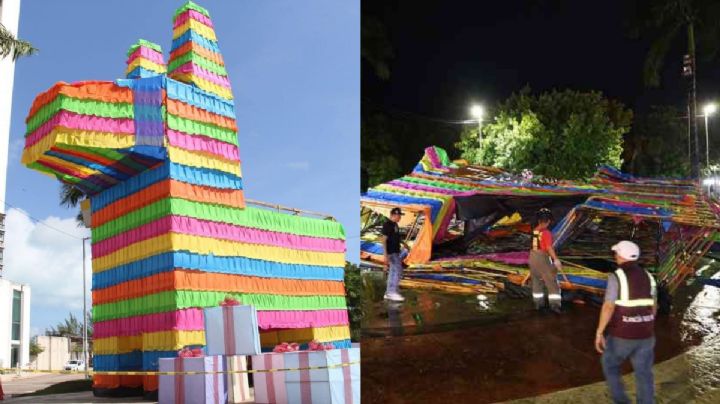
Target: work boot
(556,309)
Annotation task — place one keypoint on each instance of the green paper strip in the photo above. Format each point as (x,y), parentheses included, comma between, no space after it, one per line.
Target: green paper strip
(182,299)
(199,128)
(199,60)
(79,106)
(252,217)
(190,6)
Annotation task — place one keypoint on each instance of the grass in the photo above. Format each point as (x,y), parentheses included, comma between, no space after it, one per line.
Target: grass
(71,386)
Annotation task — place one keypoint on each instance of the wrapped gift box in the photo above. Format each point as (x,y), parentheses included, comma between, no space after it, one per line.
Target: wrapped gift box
(232,330)
(237,383)
(191,389)
(323,386)
(269,386)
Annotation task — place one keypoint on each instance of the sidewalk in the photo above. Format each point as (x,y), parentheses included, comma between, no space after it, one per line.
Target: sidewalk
(676,381)
(82,397)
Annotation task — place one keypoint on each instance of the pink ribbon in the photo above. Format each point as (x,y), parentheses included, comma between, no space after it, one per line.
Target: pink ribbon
(345,358)
(190,353)
(317,346)
(305,392)
(270,379)
(228,328)
(285,347)
(216,380)
(229,301)
(179,382)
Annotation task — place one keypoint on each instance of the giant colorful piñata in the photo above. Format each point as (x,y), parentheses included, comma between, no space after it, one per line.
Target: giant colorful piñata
(460,216)
(157,156)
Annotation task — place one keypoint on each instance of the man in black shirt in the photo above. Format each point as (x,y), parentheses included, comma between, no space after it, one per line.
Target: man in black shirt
(391,246)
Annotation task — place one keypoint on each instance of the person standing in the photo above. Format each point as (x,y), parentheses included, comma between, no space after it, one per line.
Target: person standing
(628,318)
(393,262)
(544,264)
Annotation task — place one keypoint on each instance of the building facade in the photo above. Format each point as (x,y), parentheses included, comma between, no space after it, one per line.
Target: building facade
(9,17)
(57,351)
(14,324)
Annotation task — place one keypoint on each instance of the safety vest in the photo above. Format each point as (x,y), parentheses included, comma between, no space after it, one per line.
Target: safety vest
(536,240)
(633,317)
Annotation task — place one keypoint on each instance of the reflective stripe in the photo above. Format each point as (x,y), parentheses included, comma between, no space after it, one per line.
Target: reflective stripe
(536,240)
(653,285)
(538,294)
(624,299)
(554,296)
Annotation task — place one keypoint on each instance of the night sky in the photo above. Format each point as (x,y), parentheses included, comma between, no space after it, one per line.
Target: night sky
(449,54)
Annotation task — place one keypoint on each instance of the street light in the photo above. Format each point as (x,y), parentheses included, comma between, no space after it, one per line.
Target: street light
(477,112)
(708,110)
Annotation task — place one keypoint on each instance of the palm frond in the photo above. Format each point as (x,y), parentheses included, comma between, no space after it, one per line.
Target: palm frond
(655,59)
(11,46)
(70,196)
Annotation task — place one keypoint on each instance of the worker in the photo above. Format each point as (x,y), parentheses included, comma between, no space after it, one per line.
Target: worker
(392,262)
(626,329)
(544,264)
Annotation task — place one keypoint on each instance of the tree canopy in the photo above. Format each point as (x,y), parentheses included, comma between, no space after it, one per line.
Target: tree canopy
(559,134)
(71,327)
(657,144)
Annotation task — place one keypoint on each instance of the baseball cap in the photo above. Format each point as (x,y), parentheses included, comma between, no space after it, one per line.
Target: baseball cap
(627,250)
(396,211)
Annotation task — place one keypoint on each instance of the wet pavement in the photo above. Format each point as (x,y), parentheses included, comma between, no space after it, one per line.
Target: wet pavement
(438,346)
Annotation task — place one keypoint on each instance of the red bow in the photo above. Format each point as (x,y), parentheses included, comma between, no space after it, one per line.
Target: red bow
(190,353)
(318,346)
(230,301)
(285,347)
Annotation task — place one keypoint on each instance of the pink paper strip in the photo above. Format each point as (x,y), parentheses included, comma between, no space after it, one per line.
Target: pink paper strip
(191,68)
(192,319)
(146,53)
(433,157)
(72,120)
(204,144)
(206,228)
(182,18)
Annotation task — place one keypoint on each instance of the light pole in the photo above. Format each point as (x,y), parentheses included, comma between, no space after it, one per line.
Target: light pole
(85,336)
(708,110)
(477,112)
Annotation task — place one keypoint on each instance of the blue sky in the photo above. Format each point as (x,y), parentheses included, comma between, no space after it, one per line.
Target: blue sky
(295,71)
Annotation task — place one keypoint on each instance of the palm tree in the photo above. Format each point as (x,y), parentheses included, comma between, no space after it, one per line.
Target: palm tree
(70,197)
(9,45)
(376,48)
(665,21)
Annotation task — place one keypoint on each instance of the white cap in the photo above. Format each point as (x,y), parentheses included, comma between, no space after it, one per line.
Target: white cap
(627,250)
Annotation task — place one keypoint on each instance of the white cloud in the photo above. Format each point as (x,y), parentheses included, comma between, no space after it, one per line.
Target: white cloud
(15,150)
(48,260)
(298,165)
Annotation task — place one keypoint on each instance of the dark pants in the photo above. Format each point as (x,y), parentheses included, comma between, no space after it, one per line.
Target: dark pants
(641,353)
(543,275)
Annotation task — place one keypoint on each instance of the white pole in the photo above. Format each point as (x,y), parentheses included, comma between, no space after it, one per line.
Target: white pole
(480,132)
(85,336)
(707,142)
